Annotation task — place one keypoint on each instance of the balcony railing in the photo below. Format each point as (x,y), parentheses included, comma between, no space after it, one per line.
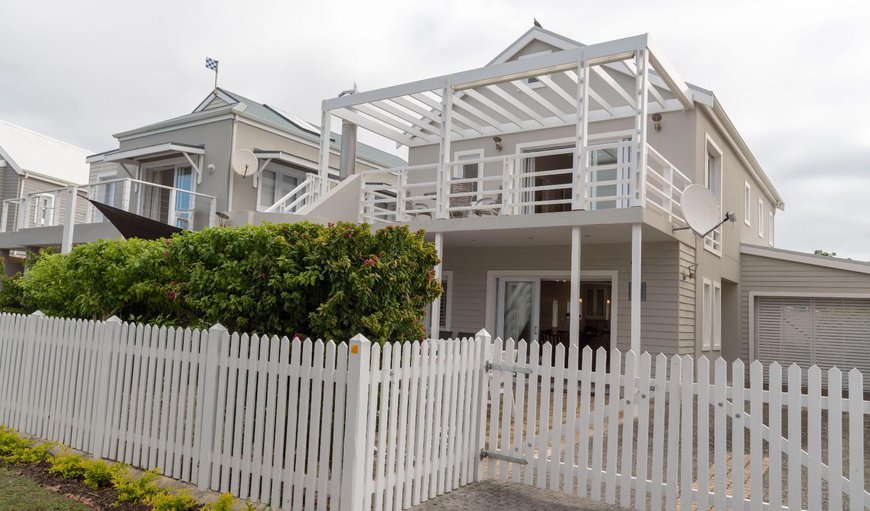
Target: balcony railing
(175,206)
(308,191)
(526,183)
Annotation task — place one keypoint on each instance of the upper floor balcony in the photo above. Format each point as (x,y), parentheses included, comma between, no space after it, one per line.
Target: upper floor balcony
(536,133)
(527,183)
(179,207)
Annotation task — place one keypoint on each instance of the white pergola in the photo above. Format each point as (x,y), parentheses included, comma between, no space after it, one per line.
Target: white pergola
(623,78)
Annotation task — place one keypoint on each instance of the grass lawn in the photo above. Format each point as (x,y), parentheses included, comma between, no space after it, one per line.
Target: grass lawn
(21,494)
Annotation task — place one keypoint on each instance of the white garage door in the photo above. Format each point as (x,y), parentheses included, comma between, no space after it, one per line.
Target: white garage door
(826,332)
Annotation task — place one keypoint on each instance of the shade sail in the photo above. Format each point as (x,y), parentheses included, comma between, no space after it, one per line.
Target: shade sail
(131,225)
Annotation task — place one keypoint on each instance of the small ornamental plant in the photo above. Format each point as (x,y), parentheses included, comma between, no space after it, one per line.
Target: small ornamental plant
(311,280)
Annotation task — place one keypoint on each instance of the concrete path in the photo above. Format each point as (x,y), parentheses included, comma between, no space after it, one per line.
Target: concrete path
(509,496)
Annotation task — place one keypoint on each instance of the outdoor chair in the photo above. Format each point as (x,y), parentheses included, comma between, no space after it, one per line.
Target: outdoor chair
(463,201)
(487,205)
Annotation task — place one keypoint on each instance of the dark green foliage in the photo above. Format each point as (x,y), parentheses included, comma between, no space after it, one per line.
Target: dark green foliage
(331,282)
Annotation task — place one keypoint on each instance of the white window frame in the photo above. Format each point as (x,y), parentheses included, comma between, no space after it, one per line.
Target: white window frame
(713,241)
(770,227)
(747,203)
(717,315)
(446,318)
(761,218)
(481,168)
(43,214)
(279,170)
(706,315)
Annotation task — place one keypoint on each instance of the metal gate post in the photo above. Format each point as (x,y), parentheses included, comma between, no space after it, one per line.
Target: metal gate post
(484,353)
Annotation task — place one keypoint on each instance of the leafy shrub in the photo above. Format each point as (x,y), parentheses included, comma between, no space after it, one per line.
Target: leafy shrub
(223,503)
(17,450)
(136,490)
(322,281)
(11,295)
(69,466)
(178,501)
(99,473)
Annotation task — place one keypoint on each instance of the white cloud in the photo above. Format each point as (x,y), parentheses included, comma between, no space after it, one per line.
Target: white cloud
(792,75)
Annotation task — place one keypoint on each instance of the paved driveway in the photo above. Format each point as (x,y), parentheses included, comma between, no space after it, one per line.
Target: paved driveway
(509,496)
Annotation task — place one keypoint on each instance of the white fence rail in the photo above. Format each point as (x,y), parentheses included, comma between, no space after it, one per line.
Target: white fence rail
(526,183)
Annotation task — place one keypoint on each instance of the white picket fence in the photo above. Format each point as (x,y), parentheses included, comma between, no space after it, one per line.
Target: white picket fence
(353,426)
(672,433)
(294,424)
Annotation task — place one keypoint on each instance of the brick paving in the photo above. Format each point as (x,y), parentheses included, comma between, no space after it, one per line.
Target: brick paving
(509,496)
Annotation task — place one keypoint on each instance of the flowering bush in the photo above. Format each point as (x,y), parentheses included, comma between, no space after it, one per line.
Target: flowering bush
(298,279)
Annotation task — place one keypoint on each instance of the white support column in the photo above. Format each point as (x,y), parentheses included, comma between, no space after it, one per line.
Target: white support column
(435,315)
(574,309)
(443,192)
(325,135)
(578,199)
(636,284)
(69,222)
(638,180)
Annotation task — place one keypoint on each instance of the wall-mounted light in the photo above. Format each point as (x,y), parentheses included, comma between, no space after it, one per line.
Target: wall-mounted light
(210,168)
(657,121)
(497,140)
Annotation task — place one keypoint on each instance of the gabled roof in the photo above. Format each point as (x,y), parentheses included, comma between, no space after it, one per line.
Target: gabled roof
(27,151)
(535,34)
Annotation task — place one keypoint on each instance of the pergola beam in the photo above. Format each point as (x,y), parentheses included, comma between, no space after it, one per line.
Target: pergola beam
(495,107)
(596,54)
(594,95)
(379,115)
(667,73)
(473,110)
(541,100)
(373,126)
(457,117)
(496,89)
(609,80)
(416,121)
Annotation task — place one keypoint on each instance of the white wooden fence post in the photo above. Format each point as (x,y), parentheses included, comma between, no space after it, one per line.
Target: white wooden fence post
(218,338)
(485,354)
(25,409)
(353,471)
(110,330)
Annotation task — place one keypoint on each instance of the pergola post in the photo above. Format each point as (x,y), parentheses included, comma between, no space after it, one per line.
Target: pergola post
(325,136)
(435,315)
(574,308)
(70,220)
(443,173)
(638,195)
(636,285)
(578,199)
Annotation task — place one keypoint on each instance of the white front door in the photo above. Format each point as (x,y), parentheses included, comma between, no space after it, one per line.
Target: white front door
(518,308)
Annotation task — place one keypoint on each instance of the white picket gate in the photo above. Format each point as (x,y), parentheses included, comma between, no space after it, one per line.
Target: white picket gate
(672,433)
(353,426)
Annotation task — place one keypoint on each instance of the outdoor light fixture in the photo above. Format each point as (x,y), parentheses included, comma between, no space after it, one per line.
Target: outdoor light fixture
(497,140)
(657,121)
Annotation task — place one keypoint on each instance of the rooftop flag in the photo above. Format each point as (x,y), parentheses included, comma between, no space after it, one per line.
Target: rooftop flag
(212,64)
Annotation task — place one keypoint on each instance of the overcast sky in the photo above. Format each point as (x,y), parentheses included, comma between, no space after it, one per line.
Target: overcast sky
(793,76)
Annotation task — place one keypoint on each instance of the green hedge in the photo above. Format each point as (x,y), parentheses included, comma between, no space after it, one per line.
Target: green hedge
(330,282)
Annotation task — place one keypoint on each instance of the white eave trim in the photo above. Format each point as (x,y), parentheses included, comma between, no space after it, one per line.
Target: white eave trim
(217,93)
(6,158)
(139,153)
(726,127)
(185,121)
(802,258)
(281,156)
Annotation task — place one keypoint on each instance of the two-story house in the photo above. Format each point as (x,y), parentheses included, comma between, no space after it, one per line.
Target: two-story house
(550,180)
(37,166)
(179,172)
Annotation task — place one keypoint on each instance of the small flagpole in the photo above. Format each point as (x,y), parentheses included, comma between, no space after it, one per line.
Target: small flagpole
(215,77)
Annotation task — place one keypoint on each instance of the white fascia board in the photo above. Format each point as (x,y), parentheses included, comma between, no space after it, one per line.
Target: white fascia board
(726,127)
(185,121)
(596,54)
(49,179)
(153,150)
(803,258)
(312,141)
(281,156)
(5,156)
(669,75)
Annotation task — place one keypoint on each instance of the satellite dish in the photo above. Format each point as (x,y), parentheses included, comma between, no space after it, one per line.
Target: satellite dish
(700,208)
(244,163)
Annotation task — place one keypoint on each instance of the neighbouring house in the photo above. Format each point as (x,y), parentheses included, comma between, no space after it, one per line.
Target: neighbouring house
(178,172)
(550,180)
(37,167)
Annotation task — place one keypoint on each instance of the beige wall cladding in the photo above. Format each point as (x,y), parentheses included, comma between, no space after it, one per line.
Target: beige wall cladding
(761,274)
(661,323)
